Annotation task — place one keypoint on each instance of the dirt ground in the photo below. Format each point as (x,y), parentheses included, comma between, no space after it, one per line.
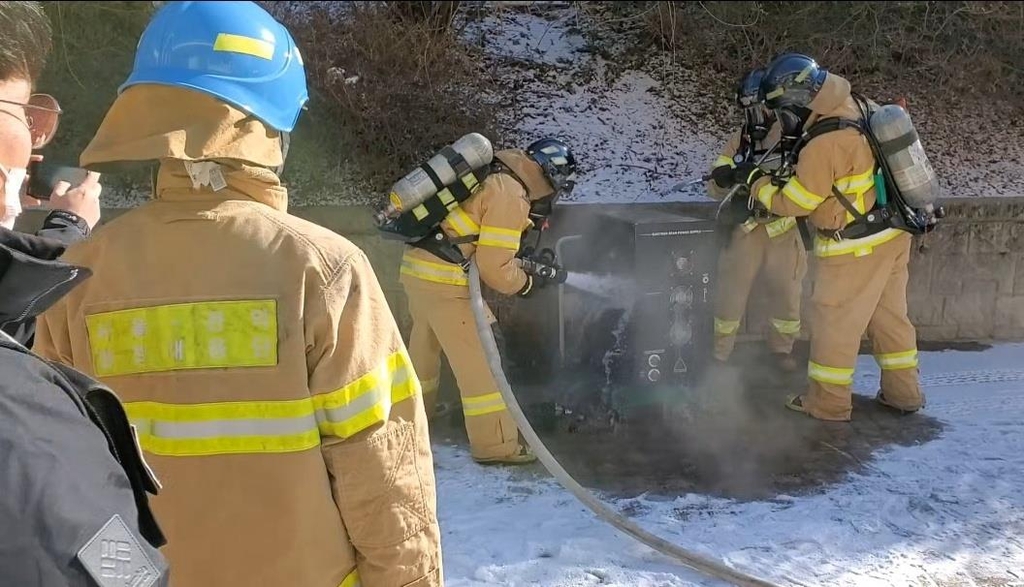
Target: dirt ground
(731,437)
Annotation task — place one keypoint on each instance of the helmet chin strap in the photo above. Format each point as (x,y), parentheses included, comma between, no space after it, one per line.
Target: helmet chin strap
(285,142)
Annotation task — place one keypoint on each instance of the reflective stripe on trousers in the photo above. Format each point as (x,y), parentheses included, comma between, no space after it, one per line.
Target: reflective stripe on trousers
(726,327)
(826,374)
(900,360)
(274,426)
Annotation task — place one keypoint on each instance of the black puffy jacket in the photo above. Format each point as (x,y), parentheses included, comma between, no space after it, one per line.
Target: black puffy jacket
(73,486)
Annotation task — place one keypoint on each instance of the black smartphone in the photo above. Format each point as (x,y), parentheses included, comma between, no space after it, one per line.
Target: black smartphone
(43,176)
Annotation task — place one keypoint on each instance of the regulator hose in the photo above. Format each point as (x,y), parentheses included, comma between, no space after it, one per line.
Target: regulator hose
(691,560)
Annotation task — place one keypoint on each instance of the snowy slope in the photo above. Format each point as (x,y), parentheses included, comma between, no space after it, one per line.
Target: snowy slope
(631,147)
(639,133)
(949,512)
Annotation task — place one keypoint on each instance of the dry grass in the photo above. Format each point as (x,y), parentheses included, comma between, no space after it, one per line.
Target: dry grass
(957,50)
(397,79)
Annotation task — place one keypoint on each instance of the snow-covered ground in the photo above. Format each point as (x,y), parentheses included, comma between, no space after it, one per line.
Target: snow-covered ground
(946,513)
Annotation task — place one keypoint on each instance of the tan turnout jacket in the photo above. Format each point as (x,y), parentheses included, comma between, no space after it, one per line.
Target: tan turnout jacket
(256,354)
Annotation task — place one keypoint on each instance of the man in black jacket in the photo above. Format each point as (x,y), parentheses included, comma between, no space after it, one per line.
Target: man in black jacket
(73,487)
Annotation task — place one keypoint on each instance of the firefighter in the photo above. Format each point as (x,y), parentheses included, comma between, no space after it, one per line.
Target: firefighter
(860,283)
(764,241)
(254,351)
(518,194)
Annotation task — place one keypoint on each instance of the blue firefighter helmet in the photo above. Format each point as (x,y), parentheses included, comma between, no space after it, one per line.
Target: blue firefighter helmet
(234,51)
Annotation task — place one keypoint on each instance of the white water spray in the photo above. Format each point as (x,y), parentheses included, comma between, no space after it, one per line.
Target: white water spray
(606,286)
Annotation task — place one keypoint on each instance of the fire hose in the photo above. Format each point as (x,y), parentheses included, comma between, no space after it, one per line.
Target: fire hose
(689,559)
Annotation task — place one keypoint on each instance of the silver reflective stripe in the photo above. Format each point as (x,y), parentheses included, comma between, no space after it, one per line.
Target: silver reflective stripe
(378,395)
(221,428)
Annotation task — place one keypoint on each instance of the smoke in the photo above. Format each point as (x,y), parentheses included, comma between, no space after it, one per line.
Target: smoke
(736,437)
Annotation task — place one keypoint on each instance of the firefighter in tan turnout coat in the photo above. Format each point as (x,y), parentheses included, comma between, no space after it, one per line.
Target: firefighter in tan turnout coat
(525,184)
(769,243)
(253,351)
(860,283)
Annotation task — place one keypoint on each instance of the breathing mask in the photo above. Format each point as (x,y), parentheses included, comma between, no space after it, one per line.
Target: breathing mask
(14,180)
(757,122)
(792,120)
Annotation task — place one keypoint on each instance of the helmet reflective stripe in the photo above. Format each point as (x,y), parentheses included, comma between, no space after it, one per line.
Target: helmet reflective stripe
(244,45)
(559,160)
(233,51)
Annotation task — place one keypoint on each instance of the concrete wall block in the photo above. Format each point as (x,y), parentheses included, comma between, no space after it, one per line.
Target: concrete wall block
(996,237)
(920,269)
(1018,278)
(926,310)
(1009,318)
(972,313)
(936,333)
(955,274)
(948,238)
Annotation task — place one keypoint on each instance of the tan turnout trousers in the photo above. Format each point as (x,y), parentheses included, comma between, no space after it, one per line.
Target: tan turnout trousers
(778,249)
(854,294)
(444,322)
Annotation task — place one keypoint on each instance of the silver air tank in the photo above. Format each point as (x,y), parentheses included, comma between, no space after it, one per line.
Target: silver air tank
(911,170)
(416,187)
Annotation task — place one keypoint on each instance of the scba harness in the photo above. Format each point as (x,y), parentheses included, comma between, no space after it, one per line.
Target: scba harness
(890,209)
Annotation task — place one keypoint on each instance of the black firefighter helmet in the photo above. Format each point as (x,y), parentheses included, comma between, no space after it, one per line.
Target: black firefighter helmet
(757,119)
(558,163)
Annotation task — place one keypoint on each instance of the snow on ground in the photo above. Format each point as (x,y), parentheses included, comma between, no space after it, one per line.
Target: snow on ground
(949,512)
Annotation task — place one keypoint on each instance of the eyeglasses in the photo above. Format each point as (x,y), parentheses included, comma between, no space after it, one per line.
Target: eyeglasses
(42,114)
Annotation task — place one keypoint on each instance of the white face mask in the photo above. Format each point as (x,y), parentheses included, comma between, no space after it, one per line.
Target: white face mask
(13,180)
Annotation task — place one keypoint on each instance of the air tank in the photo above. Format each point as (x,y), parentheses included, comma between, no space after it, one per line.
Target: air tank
(416,187)
(902,149)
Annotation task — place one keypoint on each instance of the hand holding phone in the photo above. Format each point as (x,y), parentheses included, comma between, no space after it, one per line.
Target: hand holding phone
(68,188)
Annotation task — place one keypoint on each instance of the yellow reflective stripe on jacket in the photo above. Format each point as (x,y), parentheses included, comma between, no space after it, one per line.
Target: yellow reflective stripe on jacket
(367,400)
(224,428)
(352,580)
(766,193)
(900,360)
(786,326)
(726,327)
(801,196)
(436,272)
(196,335)
(501,238)
(461,223)
(483,404)
(724,161)
(833,375)
(780,227)
(274,426)
(855,186)
(827,247)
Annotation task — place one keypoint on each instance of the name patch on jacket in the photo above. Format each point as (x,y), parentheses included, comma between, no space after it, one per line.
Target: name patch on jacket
(114,558)
(196,335)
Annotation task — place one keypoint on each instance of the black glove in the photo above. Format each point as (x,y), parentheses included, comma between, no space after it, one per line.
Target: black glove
(723,176)
(726,177)
(737,209)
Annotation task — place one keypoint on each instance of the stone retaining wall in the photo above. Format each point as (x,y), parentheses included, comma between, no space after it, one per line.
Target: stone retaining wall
(966,279)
